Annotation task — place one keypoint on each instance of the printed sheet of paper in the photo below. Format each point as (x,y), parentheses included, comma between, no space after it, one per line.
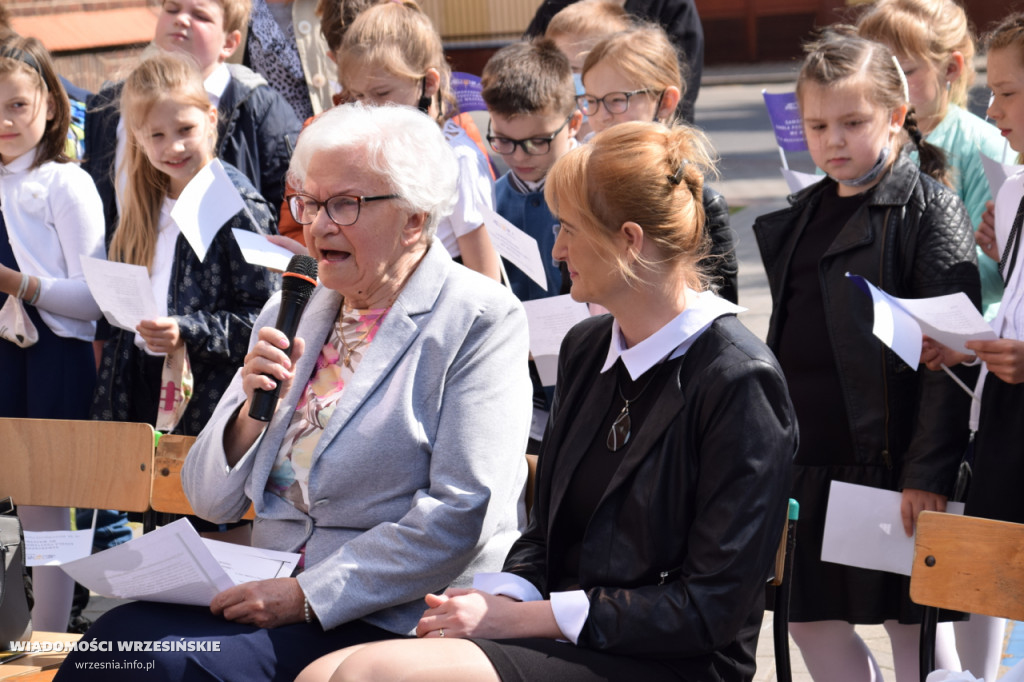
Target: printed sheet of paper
(797,181)
(256,250)
(244,564)
(863,528)
(899,323)
(516,246)
(56,547)
(550,319)
(208,201)
(122,291)
(172,564)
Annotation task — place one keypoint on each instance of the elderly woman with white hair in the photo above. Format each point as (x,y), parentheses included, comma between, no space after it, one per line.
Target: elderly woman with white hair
(394,461)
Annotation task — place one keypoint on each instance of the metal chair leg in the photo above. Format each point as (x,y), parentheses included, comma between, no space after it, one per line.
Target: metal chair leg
(929,622)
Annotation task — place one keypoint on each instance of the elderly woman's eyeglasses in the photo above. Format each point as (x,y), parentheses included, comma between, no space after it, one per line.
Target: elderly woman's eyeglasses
(614,102)
(534,146)
(342,209)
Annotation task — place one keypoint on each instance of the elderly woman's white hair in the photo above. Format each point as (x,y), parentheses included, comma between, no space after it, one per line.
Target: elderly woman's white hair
(403,145)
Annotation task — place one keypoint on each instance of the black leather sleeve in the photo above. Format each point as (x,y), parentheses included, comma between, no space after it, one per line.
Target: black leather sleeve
(944,262)
(721,264)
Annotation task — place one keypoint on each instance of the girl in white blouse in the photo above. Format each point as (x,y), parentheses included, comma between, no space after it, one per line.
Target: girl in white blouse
(51,218)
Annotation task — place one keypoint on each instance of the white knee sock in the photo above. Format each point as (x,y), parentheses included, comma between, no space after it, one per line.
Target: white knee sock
(834,652)
(51,586)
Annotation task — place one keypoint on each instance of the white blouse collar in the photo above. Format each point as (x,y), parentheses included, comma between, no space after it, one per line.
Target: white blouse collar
(672,340)
(20,164)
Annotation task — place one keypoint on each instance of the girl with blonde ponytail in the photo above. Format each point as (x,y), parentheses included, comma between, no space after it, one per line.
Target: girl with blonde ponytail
(207,306)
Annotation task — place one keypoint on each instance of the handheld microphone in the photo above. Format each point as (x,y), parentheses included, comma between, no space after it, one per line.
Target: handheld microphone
(296,287)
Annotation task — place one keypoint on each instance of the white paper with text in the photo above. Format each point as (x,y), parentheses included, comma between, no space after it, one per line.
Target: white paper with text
(173,564)
(515,246)
(122,291)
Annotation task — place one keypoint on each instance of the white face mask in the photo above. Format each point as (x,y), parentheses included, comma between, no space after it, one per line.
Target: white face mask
(872,173)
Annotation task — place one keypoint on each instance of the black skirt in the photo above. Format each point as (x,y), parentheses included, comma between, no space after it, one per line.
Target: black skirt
(998,454)
(827,591)
(526,660)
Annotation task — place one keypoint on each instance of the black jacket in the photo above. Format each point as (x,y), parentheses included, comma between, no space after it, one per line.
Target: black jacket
(256,132)
(911,238)
(675,557)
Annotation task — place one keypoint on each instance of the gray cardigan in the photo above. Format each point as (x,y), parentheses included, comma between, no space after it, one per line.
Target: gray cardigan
(417,481)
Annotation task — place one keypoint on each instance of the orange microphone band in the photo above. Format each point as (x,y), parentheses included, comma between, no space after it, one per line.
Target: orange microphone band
(301,276)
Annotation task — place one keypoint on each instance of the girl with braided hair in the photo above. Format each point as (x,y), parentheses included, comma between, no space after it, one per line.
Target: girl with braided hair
(865,417)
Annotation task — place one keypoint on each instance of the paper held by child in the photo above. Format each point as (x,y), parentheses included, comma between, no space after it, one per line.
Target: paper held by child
(864,528)
(900,323)
(121,290)
(997,172)
(515,245)
(257,250)
(208,201)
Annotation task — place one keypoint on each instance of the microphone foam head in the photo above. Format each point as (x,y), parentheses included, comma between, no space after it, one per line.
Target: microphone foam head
(300,278)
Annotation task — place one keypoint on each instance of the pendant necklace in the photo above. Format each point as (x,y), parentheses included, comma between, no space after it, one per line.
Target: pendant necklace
(619,433)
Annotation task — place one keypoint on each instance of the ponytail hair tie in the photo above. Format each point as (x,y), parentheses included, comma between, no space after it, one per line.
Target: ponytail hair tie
(677,177)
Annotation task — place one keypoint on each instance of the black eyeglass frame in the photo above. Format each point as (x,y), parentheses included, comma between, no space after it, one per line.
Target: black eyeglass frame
(526,144)
(325,205)
(582,103)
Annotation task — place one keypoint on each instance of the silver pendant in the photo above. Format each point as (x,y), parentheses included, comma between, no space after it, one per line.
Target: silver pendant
(618,435)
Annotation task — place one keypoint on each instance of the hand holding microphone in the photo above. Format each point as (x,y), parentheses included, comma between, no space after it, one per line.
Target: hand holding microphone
(268,358)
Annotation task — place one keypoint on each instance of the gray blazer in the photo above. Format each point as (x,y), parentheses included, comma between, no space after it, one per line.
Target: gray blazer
(417,481)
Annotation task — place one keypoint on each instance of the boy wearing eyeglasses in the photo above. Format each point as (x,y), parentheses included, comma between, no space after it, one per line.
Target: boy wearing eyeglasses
(529,92)
(530,95)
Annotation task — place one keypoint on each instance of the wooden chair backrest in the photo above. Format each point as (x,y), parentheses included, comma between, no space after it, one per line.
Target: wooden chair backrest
(168,494)
(969,564)
(65,463)
(779,570)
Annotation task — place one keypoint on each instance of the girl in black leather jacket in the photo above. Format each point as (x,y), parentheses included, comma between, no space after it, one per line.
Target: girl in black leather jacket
(865,417)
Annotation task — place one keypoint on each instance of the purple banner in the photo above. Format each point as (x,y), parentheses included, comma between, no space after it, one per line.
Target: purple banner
(466,87)
(785,116)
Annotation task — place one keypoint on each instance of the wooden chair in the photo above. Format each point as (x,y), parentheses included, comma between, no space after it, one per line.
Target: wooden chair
(168,494)
(65,463)
(967,564)
(781,580)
